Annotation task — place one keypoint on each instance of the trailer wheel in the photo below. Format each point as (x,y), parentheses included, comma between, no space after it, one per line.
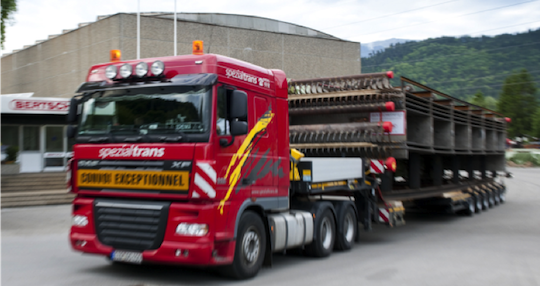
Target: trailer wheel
(496,196)
(323,236)
(250,248)
(471,209)
(502,196)
(491,198)
(485,201)
(478,203)
(348,226)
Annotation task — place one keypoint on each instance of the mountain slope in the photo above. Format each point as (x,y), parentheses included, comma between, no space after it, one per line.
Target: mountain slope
(461,66)
(369,48)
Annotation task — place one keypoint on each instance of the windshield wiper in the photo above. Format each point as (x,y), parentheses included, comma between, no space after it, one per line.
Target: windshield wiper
(133,139)
(171,139)
(123,129)
(98,139)
(177,138)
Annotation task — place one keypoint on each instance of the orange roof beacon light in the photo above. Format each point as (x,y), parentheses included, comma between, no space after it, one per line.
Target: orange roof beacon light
(198,48)
(116,56)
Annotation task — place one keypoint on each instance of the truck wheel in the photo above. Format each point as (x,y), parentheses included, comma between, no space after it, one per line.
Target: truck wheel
(349,228)
(323,236)
(250,247)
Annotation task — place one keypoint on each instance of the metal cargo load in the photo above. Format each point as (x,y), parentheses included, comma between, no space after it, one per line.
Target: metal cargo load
(439,141)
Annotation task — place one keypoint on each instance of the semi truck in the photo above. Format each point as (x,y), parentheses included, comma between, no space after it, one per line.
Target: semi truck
(211,161)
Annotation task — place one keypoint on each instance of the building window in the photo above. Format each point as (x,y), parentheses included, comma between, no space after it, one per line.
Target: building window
(10,135)
(54,141)
(54,162)
(30,138)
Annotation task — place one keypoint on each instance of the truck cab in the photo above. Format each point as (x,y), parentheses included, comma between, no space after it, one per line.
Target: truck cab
(171,152)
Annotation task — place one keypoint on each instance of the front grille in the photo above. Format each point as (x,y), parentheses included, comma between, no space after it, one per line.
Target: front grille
(131,225)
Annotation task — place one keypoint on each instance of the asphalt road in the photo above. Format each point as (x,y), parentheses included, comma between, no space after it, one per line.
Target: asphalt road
(497,247)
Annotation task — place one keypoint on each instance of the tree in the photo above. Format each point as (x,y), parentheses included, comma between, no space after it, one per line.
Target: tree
(8,8)
(484,101)
(518,102)
(479,99)
(490,103)
(536,123)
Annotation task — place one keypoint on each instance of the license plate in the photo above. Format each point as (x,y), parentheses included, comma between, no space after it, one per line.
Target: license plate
(127,256)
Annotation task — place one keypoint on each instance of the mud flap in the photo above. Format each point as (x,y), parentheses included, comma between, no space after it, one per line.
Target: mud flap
(392,214)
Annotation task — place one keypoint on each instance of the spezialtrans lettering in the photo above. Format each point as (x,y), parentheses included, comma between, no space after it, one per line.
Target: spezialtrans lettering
(131,151)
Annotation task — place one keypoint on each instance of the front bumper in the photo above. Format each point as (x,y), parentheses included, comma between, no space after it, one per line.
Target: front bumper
(173,249)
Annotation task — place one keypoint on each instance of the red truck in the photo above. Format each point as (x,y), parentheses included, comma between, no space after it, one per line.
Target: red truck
(201,160)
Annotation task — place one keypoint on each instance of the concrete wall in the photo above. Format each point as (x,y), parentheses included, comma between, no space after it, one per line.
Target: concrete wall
(56,67)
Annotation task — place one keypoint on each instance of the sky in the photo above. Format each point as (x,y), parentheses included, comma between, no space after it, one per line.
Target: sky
(362,21)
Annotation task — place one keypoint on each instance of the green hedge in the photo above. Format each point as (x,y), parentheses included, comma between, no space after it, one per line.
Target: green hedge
(523,158)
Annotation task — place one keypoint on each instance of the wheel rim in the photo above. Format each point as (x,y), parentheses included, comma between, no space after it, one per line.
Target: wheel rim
(251,246)
(348,227)
(471,207)
(326,233)
(478,205)
(486,202)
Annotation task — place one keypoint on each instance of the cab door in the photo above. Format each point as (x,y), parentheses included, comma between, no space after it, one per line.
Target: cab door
(247,163)
(263,162)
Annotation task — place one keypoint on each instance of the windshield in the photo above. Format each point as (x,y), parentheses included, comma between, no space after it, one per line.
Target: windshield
(149,110)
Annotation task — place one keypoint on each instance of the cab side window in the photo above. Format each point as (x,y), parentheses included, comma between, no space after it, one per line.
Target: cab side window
(222,123)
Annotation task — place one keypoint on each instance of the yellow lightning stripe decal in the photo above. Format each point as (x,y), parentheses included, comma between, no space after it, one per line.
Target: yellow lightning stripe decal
(242,154)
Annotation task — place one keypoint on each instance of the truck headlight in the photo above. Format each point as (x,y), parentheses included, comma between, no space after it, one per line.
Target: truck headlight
(79,220)
(192,229)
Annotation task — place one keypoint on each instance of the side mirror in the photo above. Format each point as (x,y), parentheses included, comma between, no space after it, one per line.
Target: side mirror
(71,131)
(239,128)
(238,105)
(237,116)
(72,113)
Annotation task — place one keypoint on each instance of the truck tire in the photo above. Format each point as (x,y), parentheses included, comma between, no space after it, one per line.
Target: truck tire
(347,227)
(250,248)
(323,235)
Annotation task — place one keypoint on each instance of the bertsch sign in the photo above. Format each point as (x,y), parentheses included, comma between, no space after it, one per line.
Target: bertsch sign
(25,104)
